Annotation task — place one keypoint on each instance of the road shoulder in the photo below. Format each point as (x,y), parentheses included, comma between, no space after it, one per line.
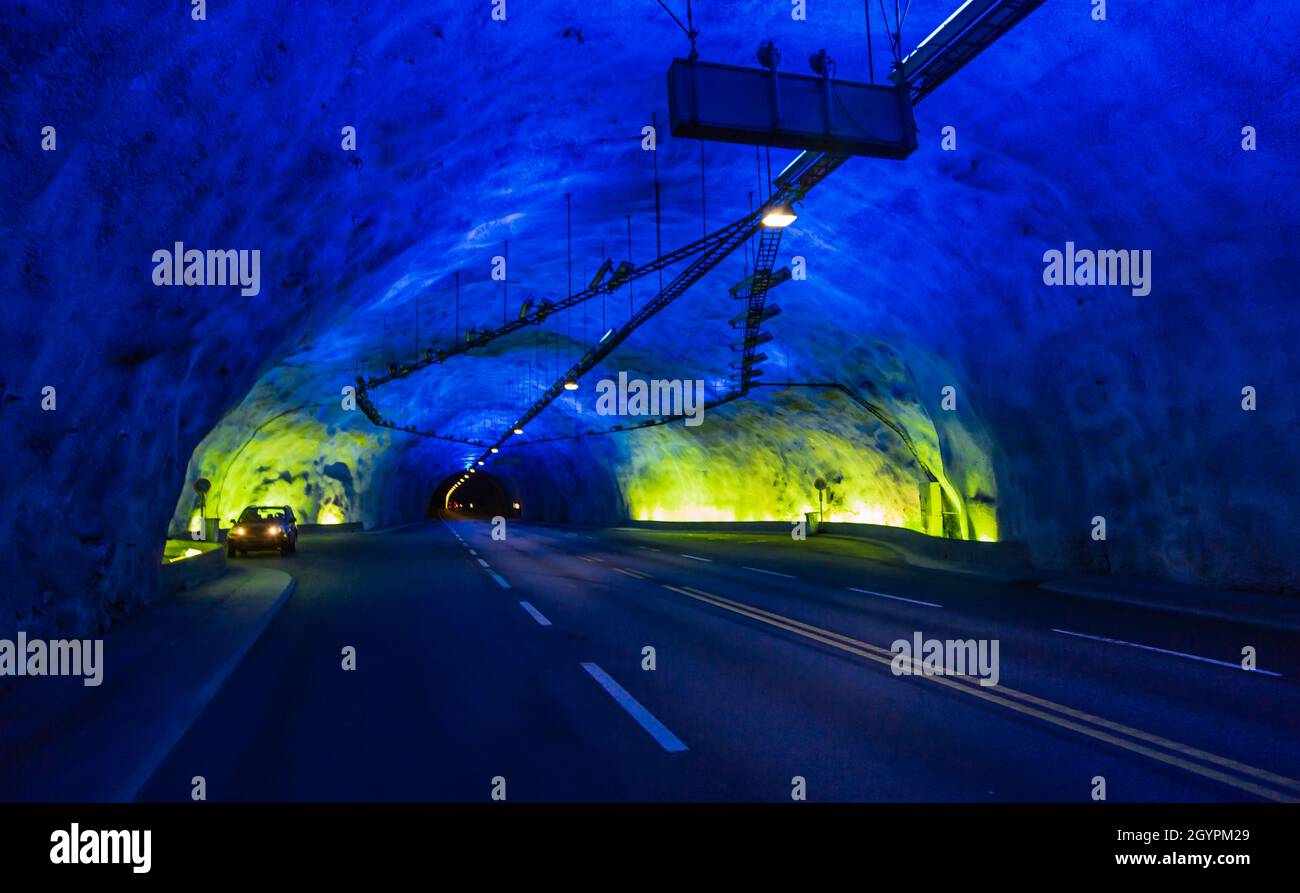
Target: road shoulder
(65,741)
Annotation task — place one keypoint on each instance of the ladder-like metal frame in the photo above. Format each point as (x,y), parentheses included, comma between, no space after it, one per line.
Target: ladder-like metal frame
(769,241)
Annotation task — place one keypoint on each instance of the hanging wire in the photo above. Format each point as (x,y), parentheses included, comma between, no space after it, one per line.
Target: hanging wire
(659,244)
(895,36)
(871,59)
(568,316)
(630,311)
(704,203)
(688,29)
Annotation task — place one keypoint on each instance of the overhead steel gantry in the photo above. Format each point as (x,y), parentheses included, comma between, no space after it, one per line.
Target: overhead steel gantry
(973,27)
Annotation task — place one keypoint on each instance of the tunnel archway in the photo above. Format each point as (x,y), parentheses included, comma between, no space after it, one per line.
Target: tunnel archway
(476,494)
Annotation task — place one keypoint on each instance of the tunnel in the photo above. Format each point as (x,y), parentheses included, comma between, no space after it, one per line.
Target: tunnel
(473,495)
(737,331)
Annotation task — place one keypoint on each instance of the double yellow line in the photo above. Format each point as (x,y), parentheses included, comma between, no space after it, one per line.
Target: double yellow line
(1172,753)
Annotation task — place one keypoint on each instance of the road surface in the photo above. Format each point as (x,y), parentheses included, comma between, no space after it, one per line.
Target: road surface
(485,664)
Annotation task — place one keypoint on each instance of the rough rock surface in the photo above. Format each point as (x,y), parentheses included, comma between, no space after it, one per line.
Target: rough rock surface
(1071,402)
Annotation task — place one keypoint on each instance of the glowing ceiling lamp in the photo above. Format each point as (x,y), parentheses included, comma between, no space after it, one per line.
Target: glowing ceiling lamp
(570,384)
(519,430)
(480,462)
(780,217)
(495,450)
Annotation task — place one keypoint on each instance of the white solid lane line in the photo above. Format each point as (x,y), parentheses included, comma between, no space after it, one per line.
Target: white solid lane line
(694,557)
(536,614)
(1204,660)
(635,574)
(897,598)
(658,731)
(759,570)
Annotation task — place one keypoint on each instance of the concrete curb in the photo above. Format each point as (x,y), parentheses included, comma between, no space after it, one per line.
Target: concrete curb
(66,742)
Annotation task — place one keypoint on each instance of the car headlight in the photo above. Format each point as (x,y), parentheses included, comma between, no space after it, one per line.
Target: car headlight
(238,531)
(273,530)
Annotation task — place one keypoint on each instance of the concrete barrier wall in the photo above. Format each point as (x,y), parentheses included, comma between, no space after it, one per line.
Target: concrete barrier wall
(909,543)
(350,527)
(190,572)
(1004,555)
(735,526)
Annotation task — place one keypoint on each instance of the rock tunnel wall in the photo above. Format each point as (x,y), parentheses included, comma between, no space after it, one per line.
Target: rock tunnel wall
(1071,402)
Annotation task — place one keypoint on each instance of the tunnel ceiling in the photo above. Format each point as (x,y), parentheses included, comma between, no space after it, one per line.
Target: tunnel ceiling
(921,275)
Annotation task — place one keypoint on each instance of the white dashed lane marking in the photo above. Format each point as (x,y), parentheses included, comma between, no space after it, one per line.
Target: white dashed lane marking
(658,731)
(536,614)
(897,598)
(1205,660)
(759,570)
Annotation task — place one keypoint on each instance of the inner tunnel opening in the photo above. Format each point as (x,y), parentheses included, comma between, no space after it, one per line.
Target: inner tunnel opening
(477,494)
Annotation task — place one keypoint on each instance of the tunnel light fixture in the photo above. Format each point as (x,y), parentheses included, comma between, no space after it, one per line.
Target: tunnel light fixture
(480,462)
(495,450)
(780,217)
(519,430)
(570,384)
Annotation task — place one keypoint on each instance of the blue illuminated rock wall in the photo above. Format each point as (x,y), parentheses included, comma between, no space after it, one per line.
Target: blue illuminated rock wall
(1071,402)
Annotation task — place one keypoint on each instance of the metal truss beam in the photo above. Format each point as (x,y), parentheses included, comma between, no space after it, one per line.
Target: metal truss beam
(805,172)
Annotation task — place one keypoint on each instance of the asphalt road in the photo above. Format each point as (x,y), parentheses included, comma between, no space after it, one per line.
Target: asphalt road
(524,659)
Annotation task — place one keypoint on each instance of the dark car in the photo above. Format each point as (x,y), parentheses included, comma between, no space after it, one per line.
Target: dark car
(261,528)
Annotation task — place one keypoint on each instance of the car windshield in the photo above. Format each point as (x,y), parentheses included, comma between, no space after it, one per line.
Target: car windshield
(261,513)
